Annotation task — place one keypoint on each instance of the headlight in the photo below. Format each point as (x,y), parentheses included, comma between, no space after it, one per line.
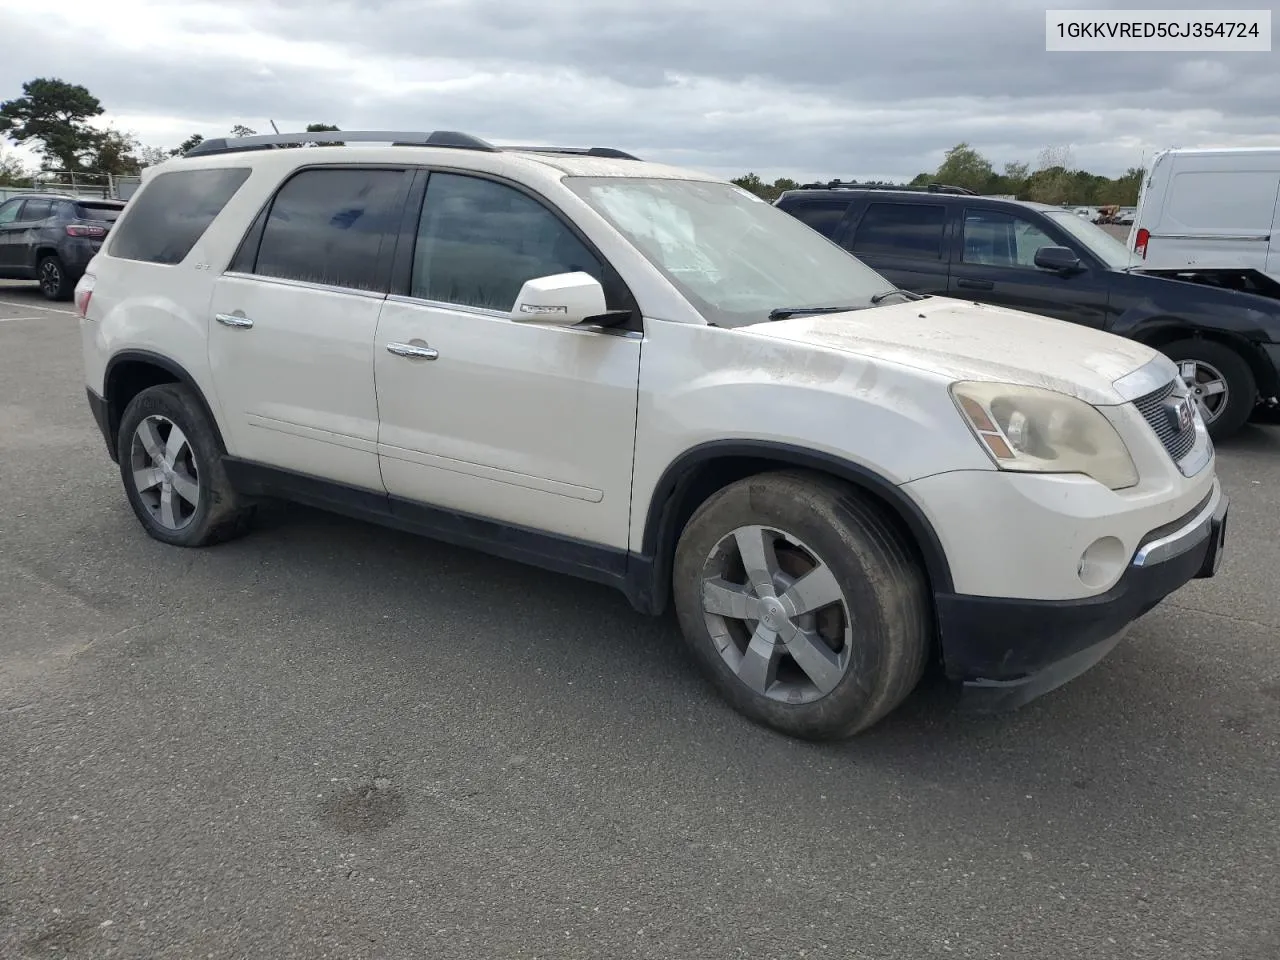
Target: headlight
(1043,431)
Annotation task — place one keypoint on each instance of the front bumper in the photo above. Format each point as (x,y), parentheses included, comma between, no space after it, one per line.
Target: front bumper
(1008,652)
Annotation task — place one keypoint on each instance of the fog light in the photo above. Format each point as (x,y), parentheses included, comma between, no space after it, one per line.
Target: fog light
(1101,563)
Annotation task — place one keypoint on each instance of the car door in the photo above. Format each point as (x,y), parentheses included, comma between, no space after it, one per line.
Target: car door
(994,262)
(11,230)
(33,219)
(903,241)
(292,324)
(515,422)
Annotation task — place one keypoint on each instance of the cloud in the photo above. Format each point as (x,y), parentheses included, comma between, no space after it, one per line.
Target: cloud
(814,89)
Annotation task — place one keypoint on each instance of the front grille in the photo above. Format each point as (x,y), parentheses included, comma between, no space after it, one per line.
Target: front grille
(1156,411)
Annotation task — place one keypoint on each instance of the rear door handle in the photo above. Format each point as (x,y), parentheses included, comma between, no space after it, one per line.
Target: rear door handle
(231,320)
(976,284)
(413,351)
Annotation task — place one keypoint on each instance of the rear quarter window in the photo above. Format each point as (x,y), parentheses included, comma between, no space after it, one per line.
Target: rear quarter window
(171,213)
(825,216)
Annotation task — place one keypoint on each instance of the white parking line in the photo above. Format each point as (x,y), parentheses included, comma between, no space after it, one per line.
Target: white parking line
(12,319)
(36,306)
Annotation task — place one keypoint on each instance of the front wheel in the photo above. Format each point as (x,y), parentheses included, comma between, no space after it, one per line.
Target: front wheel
(806,608)
(1221,383)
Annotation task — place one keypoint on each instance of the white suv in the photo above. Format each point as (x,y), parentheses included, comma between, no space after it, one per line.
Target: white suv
(649,378)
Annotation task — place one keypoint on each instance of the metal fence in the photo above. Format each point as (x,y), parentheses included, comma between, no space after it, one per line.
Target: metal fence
(76,184)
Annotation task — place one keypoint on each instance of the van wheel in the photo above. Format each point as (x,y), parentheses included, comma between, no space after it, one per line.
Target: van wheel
(1220,380)
(804,606)
(172,471)
(54,282)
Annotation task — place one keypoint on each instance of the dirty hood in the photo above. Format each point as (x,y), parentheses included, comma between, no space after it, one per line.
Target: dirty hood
(968,341)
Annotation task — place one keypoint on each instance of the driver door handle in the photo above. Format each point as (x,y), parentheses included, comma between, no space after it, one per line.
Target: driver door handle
(231,320)
(413,351)
(975,284)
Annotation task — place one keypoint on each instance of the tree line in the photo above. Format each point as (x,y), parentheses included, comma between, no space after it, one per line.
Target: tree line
(1055,179)
(53,116)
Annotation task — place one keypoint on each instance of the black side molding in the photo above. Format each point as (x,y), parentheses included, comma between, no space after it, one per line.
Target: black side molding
(566,555)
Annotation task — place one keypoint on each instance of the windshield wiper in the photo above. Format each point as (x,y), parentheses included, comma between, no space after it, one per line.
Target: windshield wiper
(879,297)
(783,312)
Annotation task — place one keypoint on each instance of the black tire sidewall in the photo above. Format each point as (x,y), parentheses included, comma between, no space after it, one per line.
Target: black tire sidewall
(64,281)
(169,402)
(853,704)
(1235,370)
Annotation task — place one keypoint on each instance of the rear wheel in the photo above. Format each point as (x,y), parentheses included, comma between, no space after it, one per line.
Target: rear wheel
(55,284)
(803,604)
(1220,380)
(171,467)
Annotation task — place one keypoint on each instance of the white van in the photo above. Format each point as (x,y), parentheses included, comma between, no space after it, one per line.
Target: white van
(1210,210)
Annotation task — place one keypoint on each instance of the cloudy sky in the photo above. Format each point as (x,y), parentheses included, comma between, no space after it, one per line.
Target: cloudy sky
(807,88)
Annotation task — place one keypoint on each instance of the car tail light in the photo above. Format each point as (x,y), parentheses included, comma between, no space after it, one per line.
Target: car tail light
(1140,242)
(84,293)
(84,230)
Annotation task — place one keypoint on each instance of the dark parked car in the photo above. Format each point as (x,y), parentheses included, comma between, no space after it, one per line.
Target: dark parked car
(1046,260)
(51,238)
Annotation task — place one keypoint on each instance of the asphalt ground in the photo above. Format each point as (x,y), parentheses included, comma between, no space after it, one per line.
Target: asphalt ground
(333,740)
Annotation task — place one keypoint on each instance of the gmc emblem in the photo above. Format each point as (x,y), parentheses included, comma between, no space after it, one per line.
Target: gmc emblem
(1182,414)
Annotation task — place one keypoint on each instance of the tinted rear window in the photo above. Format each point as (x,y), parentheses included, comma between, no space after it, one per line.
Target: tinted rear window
(901,229)
(93,211)
(37,210)
(172,212)
(328,227)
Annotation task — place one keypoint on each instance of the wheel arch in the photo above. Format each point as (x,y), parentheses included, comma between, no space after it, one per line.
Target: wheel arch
(130,372)
(702,470)
(1162,332)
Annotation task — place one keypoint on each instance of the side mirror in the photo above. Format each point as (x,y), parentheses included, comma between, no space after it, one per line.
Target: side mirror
(1058,259)
(561,300)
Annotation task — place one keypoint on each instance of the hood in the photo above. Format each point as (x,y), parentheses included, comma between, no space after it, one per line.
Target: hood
(958,340)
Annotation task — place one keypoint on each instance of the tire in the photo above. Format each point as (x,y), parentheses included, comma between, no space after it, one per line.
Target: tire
(878,633)
(55,283)
(1216,364)
(166,509)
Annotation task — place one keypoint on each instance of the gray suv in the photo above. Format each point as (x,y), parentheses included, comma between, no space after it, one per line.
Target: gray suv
(51,238)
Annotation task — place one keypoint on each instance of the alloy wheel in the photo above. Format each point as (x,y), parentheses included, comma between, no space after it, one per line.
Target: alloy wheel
(776,614)
(1208,387)
(50,278)
(165,474)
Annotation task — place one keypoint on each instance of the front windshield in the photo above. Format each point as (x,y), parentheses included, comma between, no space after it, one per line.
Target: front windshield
(1100,243)
(734,256)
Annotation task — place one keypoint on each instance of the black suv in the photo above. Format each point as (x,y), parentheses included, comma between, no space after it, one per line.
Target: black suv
(51,238)
(1047,260)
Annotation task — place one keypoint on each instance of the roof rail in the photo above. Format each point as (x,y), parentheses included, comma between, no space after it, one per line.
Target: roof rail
(438,138)
(608,152)
(854,185)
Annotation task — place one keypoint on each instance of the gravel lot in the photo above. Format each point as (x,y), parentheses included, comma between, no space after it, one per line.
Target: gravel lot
(332,740)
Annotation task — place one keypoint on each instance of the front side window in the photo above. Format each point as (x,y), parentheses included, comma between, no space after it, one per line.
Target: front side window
(328,226)
(9,211)
(480,241)
(733,256)
(171,213)
(1000,239)
(902,230)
